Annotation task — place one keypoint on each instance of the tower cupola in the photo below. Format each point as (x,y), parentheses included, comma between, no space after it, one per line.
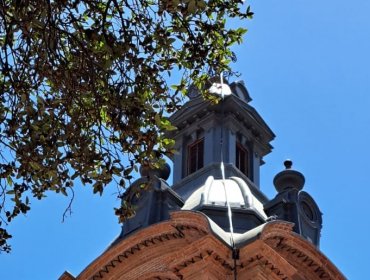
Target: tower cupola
(231,132)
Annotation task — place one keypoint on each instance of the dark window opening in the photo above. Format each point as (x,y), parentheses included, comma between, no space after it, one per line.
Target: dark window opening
(195,156)
(242,159)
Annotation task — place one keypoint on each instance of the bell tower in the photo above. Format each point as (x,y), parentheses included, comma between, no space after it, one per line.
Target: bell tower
(232,129)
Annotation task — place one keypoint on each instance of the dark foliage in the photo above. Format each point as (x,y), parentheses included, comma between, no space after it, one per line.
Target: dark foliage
(84,90)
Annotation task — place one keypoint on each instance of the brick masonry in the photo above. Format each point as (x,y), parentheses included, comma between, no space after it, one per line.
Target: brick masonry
(185,247)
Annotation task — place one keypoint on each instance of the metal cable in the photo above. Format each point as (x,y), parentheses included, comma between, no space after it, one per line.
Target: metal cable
(222,167)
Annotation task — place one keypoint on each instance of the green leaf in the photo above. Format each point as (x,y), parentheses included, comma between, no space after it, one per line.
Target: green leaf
(63,191)
(103,115)
(9,180)
(168,142)
(34,165)
(98,188)
(166,124)
(192,7)
(158,120)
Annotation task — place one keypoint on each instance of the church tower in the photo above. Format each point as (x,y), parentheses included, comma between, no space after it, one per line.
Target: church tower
(215,222)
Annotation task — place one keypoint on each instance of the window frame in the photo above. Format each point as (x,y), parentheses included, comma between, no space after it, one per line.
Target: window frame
(199,156)
(241,148)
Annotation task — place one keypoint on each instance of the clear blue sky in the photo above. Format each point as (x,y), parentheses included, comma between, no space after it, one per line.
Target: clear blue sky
(307,67)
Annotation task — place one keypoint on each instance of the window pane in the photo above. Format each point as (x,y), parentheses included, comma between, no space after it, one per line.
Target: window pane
(192,159)
(241,159)
(200,147)
(195,156)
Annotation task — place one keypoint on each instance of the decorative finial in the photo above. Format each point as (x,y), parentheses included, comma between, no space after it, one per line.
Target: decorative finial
(288,164)
(288,178)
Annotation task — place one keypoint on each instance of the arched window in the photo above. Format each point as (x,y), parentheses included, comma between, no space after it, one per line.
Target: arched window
(242,159)
(195,156)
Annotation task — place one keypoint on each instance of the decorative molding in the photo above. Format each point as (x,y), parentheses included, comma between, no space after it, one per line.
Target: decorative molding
(298,256)
(202,256)
(304,256)
(274,251)
(265,263)
(179,233)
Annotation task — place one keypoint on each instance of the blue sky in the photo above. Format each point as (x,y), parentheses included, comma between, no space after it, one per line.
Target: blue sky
(306,65)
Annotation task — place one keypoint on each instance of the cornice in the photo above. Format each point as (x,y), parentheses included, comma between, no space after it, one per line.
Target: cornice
(190,241)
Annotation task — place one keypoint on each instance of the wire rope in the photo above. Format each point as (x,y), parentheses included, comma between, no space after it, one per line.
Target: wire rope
(222,166)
